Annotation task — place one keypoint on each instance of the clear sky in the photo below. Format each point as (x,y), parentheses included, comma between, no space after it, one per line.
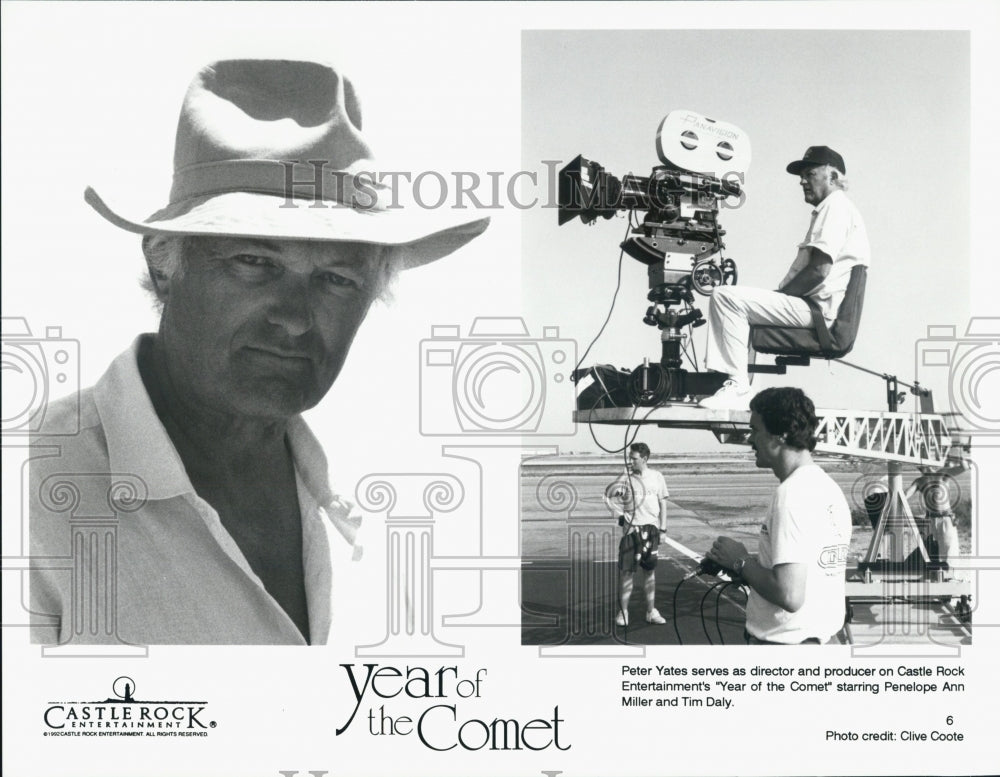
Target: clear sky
(896,105)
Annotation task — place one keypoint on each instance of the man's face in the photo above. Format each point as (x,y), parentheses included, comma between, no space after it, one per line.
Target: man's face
(767,446)
(260,328)
(637,462)
(816,183)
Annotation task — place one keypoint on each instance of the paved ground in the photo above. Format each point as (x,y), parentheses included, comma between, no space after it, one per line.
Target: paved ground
(569,561)
(578,594)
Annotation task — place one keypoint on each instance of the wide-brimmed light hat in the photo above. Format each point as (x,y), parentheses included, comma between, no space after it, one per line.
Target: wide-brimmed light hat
(273,149)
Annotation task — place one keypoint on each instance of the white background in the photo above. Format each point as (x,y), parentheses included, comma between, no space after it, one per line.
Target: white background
(90,96)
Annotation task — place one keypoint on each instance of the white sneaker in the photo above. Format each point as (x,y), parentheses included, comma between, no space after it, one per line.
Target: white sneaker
(622,618)
(653,616)
(732,396)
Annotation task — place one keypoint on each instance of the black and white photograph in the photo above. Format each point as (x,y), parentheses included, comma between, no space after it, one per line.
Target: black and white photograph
(731,201)
(470,388)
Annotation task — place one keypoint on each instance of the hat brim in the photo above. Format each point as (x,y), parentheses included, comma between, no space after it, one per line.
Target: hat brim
(796,168)
(418,235)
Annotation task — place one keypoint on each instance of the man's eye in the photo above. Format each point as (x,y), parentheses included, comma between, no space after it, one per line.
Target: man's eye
(252,260)
(336,279)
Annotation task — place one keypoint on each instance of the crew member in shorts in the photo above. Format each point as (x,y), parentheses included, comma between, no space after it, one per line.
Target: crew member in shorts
(639,497)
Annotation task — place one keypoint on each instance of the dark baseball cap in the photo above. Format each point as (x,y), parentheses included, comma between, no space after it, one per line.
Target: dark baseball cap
(817,155)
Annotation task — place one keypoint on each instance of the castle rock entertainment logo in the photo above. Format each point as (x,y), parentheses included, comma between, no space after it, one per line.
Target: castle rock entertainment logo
(124,715)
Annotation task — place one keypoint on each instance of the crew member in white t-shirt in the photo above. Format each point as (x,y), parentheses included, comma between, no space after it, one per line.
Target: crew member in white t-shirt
(796,579)
(639,499)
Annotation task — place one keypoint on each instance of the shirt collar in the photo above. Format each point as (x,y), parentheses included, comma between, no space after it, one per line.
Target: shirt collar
(827,200)
(137,442)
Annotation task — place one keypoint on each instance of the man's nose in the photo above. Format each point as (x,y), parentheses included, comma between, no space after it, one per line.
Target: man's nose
(291,307)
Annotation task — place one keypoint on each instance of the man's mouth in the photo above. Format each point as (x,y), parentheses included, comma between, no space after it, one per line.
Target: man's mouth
(279,353)
(278,360)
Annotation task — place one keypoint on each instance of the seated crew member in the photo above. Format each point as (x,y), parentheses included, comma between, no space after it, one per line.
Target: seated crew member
(639,497)
(264,267)
(834,243)
(796,580)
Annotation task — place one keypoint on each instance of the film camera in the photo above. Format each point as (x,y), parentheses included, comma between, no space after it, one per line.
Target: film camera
(679,239)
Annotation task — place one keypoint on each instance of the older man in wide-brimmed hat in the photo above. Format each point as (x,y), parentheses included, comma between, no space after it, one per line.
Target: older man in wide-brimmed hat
(279,234)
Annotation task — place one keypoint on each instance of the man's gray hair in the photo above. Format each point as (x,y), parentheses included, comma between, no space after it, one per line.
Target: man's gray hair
(166,256)
(838,178)
(164,260)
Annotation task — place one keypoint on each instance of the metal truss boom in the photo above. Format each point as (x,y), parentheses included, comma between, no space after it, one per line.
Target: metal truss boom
(917,438)
(903,438)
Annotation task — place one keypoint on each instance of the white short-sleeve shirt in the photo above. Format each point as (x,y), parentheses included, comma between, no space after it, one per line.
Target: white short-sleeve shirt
(836,229)
(808,522)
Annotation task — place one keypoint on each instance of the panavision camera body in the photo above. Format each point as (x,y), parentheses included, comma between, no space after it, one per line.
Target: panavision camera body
(679,239)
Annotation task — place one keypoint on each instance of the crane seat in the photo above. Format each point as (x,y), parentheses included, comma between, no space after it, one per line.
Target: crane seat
(796,345)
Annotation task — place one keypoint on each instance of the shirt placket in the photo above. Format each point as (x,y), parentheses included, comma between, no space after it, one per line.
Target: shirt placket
(228,545)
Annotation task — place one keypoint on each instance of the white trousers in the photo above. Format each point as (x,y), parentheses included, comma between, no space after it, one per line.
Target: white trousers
(732,310)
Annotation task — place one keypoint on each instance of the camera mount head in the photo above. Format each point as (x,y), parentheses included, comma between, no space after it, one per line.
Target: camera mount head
(703,166)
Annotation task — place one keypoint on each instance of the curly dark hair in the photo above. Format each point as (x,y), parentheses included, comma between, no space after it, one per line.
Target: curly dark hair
(641,448)
(789,412)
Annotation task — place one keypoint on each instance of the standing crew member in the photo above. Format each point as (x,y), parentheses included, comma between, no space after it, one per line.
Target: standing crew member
(640,499)
(797,578)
